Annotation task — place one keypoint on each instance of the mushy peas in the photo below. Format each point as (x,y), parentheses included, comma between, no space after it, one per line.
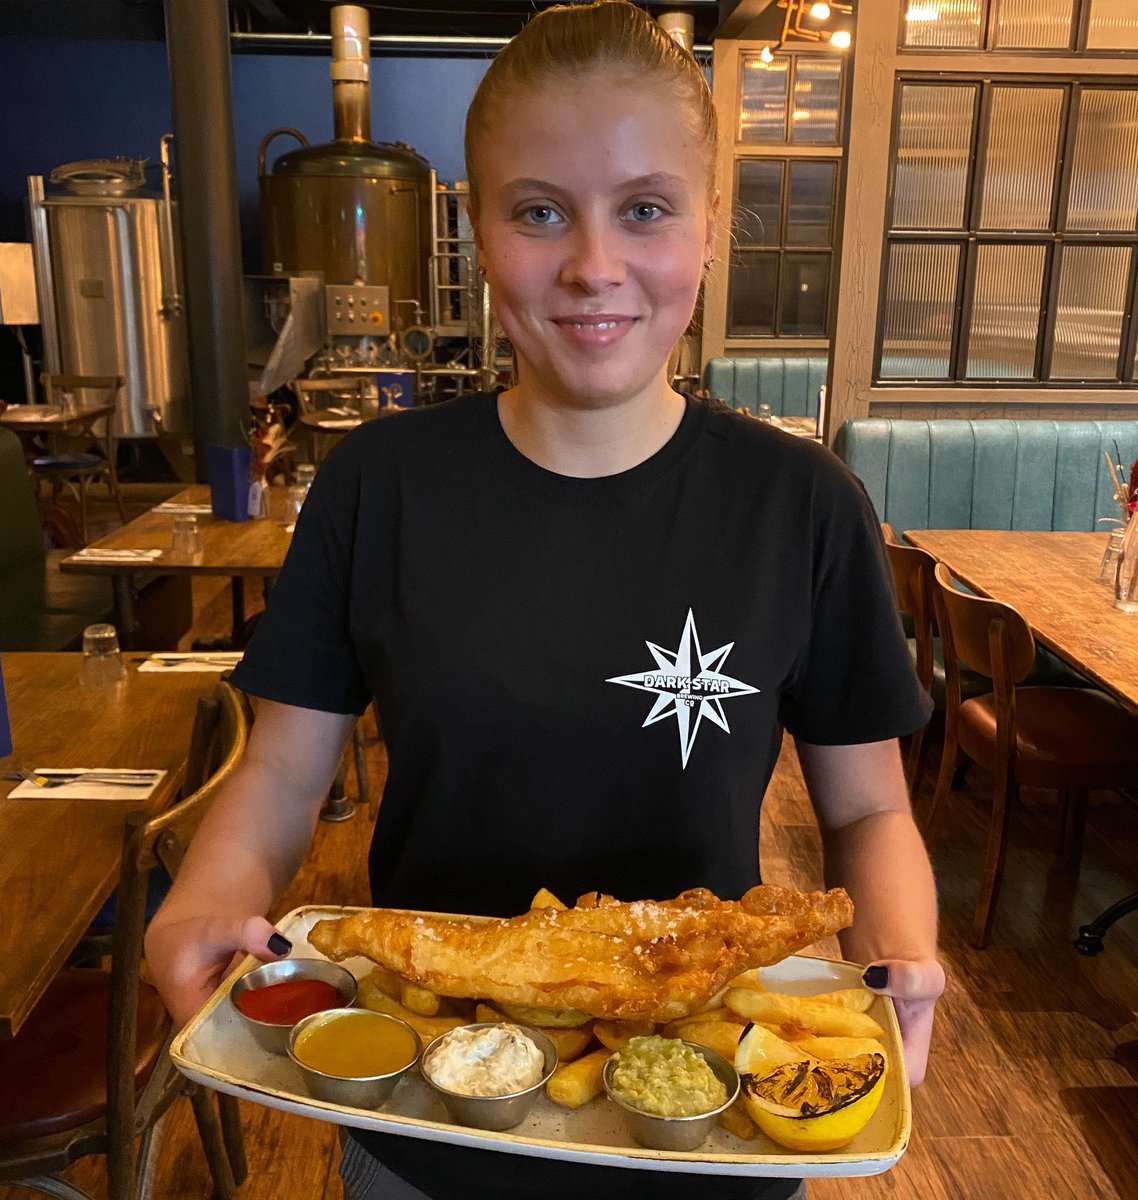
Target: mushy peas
(664,1077)
(356,1045)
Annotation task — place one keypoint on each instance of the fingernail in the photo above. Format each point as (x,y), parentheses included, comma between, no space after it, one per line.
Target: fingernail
(279,944)
(874,977)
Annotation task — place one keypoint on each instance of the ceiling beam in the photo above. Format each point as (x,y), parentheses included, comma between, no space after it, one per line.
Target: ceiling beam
(739,15)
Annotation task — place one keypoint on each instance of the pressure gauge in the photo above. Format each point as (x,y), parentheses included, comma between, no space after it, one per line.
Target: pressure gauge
(417,343)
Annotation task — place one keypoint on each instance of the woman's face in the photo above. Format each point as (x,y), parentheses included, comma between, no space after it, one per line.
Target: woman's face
(593,230)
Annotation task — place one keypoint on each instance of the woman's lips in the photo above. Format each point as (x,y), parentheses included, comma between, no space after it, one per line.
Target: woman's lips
(588,331)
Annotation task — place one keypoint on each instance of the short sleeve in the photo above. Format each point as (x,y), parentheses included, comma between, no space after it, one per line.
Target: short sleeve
(855,681)
(301,652)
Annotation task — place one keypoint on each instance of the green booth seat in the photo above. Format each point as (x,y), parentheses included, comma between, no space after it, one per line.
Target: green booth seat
(994,474)
(790,384)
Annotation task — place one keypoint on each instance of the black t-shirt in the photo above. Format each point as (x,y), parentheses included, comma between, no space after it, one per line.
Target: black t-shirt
(582,682)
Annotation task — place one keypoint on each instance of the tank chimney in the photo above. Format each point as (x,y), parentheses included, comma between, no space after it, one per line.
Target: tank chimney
(351,91)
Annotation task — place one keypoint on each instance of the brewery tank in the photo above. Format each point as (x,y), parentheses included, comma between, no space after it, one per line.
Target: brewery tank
(358,211)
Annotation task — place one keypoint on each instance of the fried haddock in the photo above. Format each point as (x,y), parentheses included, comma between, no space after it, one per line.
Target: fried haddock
(648,959)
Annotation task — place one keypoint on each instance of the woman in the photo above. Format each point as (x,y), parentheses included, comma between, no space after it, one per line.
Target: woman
(587,606)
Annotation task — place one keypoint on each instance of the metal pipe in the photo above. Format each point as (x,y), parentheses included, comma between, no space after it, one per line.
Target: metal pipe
(435,43)
(171,297)
(351,89)
(197,41)
(45,280)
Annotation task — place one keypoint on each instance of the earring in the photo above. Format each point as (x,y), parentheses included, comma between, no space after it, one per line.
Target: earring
(707,265)
(481,271)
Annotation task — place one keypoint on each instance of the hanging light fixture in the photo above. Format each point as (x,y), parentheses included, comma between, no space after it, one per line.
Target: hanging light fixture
(766,54)
(829,21)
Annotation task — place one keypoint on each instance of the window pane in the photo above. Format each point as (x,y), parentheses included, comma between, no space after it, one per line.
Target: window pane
(1104,181)
(759,203)
(817,97)
(942,23)
(810,204)
(1031,24)
(1023,150)
(1005,312)
(754,278)
(934,148)
(1114,25)
(805,293)
(1092,301)
(762,105)
(920,305)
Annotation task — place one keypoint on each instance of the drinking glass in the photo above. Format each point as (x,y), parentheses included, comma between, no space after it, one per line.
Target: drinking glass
(1126,571)
(764,413)
(102,658)
(187,538)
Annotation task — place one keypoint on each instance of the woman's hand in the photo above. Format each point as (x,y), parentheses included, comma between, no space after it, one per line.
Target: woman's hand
(189,956)
(915,988)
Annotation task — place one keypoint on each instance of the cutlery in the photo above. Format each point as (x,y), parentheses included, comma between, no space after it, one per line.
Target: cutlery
(59,779)
(218,660)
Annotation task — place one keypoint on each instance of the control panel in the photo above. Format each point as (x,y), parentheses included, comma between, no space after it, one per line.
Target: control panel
(357,309)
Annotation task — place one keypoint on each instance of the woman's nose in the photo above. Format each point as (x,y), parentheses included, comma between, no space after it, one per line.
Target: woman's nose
(593,258)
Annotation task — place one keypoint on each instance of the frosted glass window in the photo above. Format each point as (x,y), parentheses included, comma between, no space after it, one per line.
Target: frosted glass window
(1005,311)
(1104,179)
(763,102)
(920,306)
(817,100)
(759,209)
(1034,24)
(934,150)
(1023,149)
(943,24)
(810,203)
(754,287)
(1092,302)
(805,293)
(1113,25)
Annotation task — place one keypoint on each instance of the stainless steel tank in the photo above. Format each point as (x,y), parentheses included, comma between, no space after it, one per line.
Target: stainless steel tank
(358,211)
(106,272)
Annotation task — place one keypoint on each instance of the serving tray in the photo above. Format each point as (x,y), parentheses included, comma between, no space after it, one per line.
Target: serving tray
(216,1050)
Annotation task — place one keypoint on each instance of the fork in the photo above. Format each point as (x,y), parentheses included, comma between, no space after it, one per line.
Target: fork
(219,660)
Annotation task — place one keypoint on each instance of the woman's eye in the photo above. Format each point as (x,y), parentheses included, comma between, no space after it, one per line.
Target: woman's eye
(542,214)
(644,211)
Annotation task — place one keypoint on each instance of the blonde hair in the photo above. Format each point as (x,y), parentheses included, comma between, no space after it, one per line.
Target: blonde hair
(566,41)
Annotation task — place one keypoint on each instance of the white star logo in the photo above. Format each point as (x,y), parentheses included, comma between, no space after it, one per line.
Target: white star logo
(687,684)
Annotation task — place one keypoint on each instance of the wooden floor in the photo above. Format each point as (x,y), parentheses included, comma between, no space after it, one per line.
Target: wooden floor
(1033,1081)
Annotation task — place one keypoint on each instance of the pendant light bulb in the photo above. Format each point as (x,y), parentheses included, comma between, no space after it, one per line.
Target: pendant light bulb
(820,11)
(766,55)
(841,38)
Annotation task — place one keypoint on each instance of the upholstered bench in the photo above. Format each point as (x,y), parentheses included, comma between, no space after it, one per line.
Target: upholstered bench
(789,384)
(995,474)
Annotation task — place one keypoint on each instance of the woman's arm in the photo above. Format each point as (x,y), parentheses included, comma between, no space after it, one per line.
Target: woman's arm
(247,850)
(873,850)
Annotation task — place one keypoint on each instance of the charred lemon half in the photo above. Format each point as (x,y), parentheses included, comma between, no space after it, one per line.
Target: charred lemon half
(819,1105)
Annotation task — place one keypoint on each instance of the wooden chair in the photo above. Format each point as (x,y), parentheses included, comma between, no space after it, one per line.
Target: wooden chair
(1070,740)
(89,1072)
(333,391)
(74,462)
(912,575)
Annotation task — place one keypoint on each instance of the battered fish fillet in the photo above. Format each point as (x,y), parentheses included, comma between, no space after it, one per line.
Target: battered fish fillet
(645,960)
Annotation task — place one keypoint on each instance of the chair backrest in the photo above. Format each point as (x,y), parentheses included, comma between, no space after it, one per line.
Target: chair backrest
(222,725)
(913,582)
(54,384)
(985,635)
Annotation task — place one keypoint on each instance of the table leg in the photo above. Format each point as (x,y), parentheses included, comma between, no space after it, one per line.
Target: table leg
(238,596)
(337,806)
(125,623)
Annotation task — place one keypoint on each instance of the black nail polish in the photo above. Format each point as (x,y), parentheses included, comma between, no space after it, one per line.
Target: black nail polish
(279,944)
(874,977)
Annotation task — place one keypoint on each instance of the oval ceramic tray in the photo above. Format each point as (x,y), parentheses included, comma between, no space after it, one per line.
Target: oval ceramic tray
(215,1049)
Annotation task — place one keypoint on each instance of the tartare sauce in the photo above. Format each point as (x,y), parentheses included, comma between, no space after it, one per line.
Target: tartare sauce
(494,1061)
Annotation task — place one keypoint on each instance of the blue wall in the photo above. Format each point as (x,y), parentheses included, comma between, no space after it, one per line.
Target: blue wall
(67,100)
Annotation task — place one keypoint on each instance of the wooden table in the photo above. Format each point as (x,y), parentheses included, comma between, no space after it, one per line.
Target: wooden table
(237,549)
(59,859)
(1052,579)
(53,418)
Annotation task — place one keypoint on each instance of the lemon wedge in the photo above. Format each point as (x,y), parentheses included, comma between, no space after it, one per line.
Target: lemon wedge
(760,1050)
(816,1106)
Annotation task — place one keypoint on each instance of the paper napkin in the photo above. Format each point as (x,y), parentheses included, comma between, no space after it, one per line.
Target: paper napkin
(84,789)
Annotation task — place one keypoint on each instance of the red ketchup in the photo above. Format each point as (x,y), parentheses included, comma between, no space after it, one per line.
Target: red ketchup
(288,1002)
